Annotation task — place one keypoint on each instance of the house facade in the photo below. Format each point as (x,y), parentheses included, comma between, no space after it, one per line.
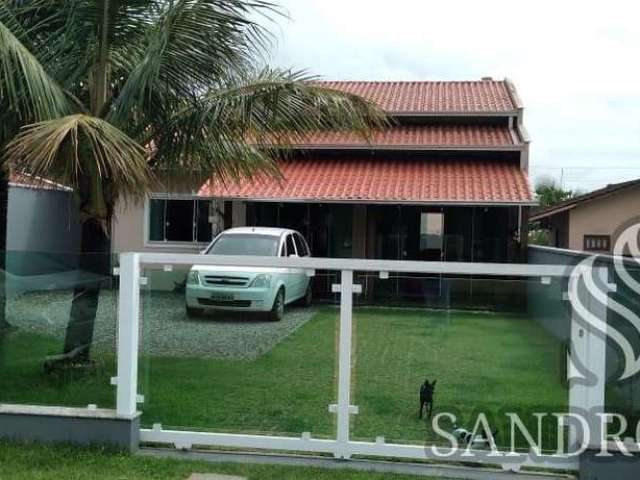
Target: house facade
(591,222)
(447,181)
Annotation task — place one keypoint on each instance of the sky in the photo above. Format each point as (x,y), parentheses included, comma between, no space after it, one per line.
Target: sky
(576,66)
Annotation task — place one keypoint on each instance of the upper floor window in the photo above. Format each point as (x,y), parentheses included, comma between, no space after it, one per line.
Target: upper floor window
(178,220)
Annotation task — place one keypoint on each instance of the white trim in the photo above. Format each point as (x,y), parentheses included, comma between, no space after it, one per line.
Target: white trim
(64,412)
(128,335)
(185,440)
(344,408)
(313,263)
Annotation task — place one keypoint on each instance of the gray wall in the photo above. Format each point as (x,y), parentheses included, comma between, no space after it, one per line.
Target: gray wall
(43,231)
(624,396)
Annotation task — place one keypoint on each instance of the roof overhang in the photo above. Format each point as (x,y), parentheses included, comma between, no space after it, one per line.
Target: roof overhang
(374,180)
(444,202)
(453,114)
(411,148)
(547,214)
(605,192)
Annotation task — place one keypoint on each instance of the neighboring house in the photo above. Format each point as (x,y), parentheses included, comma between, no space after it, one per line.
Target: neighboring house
(590,222)
(447,181)
(43,232)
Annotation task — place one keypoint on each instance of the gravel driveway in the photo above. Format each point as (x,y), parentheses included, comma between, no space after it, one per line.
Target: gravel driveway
(165,329)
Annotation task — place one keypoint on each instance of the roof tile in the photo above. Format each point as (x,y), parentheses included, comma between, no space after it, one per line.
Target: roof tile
(417,136)
(384,180)
(483,96)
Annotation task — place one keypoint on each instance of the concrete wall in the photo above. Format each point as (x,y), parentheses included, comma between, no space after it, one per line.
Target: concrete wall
(602,216)
(623,397)
(43,231)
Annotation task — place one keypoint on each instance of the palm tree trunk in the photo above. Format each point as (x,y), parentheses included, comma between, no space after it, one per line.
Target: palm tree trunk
(94,260)
(95,247)
(4,206)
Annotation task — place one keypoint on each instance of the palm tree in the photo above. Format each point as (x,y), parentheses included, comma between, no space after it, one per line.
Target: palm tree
(117,97)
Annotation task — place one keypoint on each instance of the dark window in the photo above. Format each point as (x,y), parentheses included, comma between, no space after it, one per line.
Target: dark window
(179,220)
(600,243)
(301,245)
(156,220)
(203,225)
(291,250)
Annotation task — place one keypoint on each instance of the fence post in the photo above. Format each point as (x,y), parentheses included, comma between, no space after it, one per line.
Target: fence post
(589,348)
(344,408)
(128,333)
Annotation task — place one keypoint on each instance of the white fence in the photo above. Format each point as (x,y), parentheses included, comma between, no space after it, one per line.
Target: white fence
(588,348)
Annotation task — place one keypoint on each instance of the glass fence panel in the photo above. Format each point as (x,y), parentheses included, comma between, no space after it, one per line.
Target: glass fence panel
(623,315)
(461,346)
(216,354)
(58,332)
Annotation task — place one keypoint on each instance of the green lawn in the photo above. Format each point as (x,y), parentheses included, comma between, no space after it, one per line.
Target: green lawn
(484,362)
(38,462)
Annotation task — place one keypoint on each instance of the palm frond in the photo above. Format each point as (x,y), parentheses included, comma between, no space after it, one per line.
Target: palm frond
(69,149)
(193,44)
(31,92)
(242,130)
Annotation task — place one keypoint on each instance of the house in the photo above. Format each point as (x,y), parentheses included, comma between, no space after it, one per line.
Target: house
(591,222)
(447,181)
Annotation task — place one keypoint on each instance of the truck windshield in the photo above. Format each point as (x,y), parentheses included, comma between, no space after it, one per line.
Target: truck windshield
(242,244)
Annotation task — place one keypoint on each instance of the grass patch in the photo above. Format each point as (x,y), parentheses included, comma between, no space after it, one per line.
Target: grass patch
(484,362)
(40,462)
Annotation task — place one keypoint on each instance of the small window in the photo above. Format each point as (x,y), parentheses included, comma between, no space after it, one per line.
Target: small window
(599,243)
(301,245)
(173,220)
(431,231)
(291,249)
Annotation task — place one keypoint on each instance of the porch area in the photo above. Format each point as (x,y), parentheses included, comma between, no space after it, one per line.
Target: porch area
(403,232)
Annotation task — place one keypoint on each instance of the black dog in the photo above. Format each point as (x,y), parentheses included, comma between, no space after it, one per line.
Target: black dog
(426,397)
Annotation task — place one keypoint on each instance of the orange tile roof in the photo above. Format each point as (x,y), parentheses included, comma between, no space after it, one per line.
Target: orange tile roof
(26,180)
(483,96)
(417,136)
(385,180)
